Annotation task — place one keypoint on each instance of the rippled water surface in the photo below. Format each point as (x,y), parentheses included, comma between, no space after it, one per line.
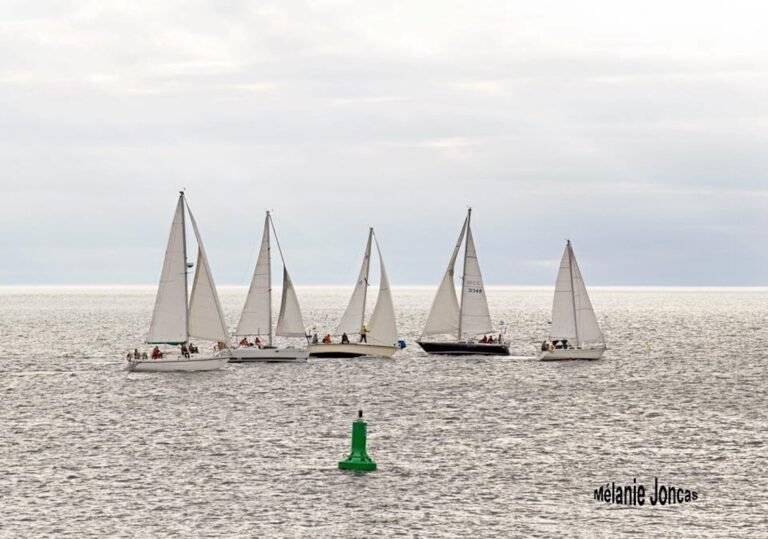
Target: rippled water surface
(466,447)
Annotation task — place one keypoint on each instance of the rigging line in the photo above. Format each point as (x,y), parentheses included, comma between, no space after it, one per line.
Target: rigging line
(277,241)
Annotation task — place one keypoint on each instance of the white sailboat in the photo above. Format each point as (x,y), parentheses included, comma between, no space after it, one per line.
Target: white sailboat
(575,333)
(177,317)
(468,318)
(256,319)
(380,336)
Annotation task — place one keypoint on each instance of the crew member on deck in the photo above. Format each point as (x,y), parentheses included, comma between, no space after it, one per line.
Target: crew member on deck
(364,334)
(344,338)
(327,339)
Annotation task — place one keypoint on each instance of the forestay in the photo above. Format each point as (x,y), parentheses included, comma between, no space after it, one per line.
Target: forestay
(475,317)
(256,316)
(573,317)
(444,315)
(382,328)
(353,318)
(206,319)
(169,317)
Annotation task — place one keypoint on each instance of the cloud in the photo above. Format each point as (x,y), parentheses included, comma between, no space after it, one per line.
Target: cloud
(638,135)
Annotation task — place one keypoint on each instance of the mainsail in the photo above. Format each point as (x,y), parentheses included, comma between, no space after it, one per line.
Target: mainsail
(354,316)
(206,318)
(256,318)
(573,317)
(444,315)
(169,317)
(382,327)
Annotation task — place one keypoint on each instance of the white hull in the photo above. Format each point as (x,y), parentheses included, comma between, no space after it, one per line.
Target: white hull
(177,364)
(351,350)
(573,353)
(254,354)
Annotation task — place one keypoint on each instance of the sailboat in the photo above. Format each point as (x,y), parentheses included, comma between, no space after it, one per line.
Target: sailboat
(256,318)
(469,317)
(575,333)
(380,336)
(177,317)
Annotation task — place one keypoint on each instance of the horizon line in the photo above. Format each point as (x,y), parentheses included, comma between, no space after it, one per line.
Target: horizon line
(406,286)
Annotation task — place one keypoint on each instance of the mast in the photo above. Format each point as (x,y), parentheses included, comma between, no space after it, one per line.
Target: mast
(269,274)
(186,264)
(464,272)
(573,292)
(367,272)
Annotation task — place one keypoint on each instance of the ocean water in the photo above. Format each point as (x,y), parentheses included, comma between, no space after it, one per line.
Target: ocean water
(466,447)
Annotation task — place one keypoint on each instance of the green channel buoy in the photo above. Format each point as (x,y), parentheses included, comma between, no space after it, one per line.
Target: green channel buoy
(358,458)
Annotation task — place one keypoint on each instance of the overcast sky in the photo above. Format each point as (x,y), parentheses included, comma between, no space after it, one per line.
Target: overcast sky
(639,130)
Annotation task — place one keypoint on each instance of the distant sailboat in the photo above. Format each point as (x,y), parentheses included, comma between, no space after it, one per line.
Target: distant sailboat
(575,333)
(256,318)
(471,316)
(176,317)
(381,332)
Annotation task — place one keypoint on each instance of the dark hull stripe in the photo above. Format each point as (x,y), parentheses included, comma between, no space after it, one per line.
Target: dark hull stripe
(267,360)
(464,349)
(336,354)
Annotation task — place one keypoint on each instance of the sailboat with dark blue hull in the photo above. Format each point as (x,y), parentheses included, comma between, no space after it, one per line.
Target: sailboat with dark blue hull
(465,319)
(464,348)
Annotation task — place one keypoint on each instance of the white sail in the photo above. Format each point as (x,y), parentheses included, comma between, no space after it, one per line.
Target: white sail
(382,328)
(290,323)
(353,318)
(206,319)
(563,312)
(169,317)
(589,329)
(257,313)
(444,315)
(475,317)
(573,317)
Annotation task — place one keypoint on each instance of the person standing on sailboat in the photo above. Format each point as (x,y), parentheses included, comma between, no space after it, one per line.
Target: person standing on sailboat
(378,338)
